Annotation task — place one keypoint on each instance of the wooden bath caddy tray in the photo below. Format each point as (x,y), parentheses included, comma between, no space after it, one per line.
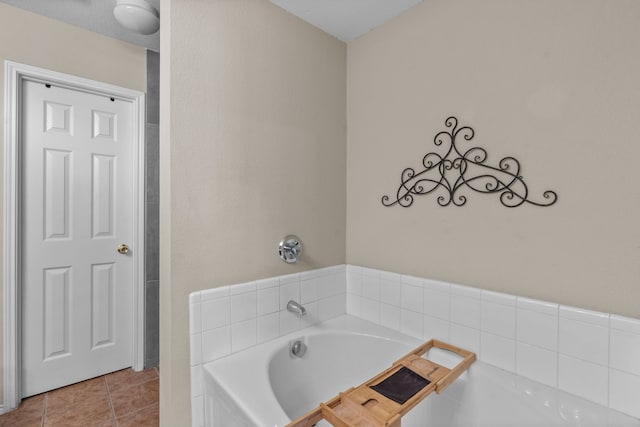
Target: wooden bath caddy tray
(401,390)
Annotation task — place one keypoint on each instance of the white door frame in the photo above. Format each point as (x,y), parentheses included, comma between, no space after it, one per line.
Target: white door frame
(15,74)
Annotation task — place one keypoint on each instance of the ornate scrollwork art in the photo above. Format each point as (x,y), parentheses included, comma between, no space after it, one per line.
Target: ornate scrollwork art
(458,169)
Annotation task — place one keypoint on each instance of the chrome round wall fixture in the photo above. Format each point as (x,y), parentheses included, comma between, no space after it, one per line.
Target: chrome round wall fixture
(290,249)
(138,16)
(297,349)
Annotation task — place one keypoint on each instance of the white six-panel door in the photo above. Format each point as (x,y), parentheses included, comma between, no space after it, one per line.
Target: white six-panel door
(77,290)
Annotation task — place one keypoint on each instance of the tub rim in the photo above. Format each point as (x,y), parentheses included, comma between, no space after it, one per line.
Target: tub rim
(254,404)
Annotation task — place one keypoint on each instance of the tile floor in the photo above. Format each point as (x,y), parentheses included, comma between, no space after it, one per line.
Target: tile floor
(120,399)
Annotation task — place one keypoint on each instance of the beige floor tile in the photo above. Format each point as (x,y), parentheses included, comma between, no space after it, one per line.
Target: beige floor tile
(29,413)
(128,377)
(91,412)
(76,393)
(132,399)
(147,417)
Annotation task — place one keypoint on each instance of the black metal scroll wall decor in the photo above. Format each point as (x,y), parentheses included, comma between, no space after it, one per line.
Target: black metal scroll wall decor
(458,169)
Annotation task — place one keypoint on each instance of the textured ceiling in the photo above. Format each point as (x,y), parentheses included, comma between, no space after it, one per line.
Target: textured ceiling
(344,19)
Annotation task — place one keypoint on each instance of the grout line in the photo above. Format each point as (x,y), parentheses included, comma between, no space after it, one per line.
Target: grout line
(114,420)
(44,409)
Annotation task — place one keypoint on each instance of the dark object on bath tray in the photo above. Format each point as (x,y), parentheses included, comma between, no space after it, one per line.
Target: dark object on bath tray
(396,391)
(402,385)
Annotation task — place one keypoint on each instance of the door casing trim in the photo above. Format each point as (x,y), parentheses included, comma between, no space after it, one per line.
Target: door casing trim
(15,74)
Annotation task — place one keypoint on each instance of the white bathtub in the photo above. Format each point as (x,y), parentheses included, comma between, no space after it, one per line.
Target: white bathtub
(265,387)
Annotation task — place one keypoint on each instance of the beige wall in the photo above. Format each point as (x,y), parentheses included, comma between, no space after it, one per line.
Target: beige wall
(552,83)
(257,109)
(31,39)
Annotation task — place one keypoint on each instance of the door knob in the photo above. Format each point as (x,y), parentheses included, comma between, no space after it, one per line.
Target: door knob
(123,249)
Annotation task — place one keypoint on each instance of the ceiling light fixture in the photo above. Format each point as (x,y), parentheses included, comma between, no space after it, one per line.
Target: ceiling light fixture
(137,15)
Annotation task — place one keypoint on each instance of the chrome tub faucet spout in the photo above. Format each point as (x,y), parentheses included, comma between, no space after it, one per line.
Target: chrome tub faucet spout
(296,307)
